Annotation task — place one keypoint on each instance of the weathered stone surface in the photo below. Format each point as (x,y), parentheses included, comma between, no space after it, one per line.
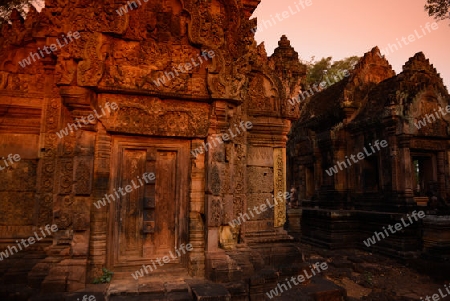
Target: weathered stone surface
(344,207)
(210,292)
(258,199)
(260,156)
(154,117)
(294,218)
(83,160)
(152,287)
(262,180)
(436,237)
(176,286)
(279,186)
(179,296)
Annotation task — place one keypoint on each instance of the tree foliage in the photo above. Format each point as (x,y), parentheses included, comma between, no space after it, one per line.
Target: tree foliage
(318,71)
(439,9)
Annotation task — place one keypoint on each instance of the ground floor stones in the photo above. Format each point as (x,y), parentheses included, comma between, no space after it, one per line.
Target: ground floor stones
(351,275)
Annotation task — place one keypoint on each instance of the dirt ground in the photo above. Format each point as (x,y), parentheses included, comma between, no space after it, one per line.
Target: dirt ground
(375,277)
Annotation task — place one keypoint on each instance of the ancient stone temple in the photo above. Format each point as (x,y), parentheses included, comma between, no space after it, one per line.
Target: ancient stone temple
(370,150)
(137,131)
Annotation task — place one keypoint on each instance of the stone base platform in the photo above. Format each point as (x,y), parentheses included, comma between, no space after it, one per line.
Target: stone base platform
(151,288)
(341,229)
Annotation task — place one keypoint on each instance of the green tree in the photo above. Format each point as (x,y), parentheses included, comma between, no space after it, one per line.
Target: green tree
(439,9)
(316,70)
(325,67)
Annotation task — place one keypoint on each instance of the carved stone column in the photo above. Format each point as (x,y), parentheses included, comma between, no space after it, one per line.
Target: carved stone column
(73,189)
(279,186)
(196,209)
(99,220)
(405,169)
(46,174)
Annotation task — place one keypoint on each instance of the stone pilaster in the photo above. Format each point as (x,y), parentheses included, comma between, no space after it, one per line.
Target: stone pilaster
(405,169)
(196,209)
(279,187)
(99,220)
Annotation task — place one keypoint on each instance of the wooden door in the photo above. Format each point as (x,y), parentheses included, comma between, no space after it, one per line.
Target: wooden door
(149,219)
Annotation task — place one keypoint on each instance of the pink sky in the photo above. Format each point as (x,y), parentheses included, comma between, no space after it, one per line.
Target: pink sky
(352,27)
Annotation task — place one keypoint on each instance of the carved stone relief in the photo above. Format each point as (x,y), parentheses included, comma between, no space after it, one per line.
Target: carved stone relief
(279,178)
(153,116)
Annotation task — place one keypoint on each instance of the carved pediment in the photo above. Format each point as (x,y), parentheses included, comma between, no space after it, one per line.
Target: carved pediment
(152,116)
(429,115)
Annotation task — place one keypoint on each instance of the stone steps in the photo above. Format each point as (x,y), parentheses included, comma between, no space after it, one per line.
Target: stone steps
(318,289)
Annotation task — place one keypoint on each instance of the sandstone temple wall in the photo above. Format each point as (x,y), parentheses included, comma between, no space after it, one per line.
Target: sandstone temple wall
(91,99)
